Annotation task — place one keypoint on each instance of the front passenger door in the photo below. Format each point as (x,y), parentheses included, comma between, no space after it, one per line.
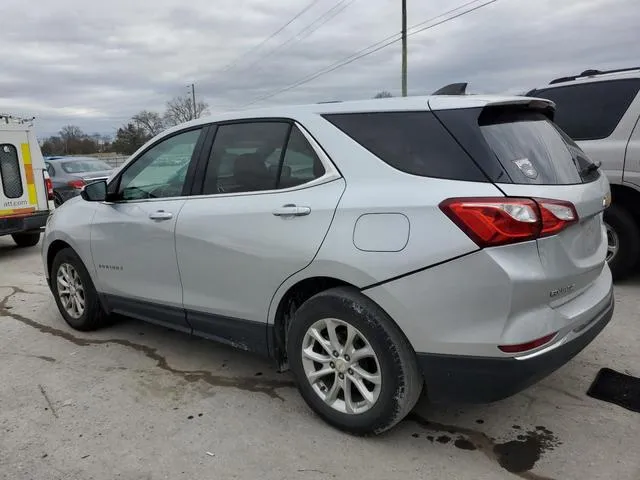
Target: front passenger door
(133,235)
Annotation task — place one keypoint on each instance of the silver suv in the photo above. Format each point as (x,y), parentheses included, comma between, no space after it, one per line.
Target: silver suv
(373,247)
(600,111)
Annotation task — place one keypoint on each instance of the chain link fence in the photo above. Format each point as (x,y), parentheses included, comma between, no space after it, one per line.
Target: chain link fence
(114,160)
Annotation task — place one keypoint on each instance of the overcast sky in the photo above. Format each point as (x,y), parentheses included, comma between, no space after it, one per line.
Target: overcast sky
(96,63)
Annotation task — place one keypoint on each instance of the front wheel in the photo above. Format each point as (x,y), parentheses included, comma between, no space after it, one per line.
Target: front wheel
(75,295)
(26,239)
(352,364)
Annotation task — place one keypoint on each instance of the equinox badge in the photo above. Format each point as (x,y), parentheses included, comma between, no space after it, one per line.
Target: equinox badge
(562,291)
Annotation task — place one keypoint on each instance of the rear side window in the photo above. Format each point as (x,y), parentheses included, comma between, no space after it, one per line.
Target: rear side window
(591,111)
(412,142)
(10,171)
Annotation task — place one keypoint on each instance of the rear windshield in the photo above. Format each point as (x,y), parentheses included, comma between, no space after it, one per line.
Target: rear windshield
(81,166)
(591,111)
(530,148)
(515,144)
(412,142)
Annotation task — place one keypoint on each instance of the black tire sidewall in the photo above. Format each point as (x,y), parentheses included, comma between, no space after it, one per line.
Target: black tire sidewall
(368,321)
(626,228)
(27,239)
(92,315)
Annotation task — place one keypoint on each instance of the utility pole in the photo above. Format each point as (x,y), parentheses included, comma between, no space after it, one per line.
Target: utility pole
(404,48)
(193,101)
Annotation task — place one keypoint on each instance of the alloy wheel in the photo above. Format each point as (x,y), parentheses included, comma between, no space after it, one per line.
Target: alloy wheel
(613,243)
(70,290)
(341,366)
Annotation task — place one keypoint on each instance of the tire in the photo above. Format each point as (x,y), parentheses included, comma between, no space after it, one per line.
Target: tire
(26,239)
(93,315)
(622,225)
(395,363)
(57,200)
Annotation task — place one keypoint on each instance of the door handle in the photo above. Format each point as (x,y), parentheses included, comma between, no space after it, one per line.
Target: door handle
(291,210)
(161,215)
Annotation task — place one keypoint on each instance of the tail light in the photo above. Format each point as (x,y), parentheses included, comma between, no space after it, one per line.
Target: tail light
(77,184)
(500,221)
(48,185)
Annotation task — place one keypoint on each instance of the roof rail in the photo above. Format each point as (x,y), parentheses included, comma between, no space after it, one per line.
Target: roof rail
(8,118)
(452,89)
(592,73)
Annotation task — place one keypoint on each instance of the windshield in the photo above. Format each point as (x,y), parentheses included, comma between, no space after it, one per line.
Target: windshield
(81,166)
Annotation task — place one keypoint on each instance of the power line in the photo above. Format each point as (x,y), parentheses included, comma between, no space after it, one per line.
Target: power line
(256,47)
(385,42)
(372,49)
(305,32)
(398,35)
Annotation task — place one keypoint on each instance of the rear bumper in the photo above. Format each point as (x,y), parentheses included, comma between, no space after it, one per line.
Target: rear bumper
(468,379)
(33,222)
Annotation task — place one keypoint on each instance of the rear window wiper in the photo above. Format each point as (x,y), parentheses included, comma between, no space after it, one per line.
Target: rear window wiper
(589,168)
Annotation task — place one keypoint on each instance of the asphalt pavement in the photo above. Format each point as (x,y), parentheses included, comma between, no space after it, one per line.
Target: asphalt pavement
(136,401)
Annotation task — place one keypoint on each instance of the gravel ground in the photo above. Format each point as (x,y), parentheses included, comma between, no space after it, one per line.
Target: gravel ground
(140,402)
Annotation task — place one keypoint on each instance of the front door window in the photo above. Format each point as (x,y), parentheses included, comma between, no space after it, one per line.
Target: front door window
(161,171)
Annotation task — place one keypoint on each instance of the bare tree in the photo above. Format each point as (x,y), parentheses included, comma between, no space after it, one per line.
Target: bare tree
(151,122)
(180,110)
(71,132)
(383,94)
(71,136)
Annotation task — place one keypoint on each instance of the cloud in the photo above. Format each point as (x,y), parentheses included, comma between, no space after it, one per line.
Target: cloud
(95,64)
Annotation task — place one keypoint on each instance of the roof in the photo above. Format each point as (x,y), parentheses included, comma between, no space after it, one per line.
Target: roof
(394,104)
(591,76)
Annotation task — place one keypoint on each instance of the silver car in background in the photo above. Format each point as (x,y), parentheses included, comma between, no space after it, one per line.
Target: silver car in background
(600,110)
(376,248)
(69,175)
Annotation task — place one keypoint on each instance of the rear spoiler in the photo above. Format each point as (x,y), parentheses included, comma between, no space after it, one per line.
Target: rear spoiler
(535,103)
(542,105)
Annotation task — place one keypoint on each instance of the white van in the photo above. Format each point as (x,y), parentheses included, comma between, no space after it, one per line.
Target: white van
(26,192)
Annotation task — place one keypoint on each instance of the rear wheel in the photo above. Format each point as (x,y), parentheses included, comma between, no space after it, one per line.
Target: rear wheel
(352,364)
(623,241)
(57,200)
(30,239)
(74,292)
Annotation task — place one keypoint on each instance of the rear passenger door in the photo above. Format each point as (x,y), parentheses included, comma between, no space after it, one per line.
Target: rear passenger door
(632,161)
(267,200)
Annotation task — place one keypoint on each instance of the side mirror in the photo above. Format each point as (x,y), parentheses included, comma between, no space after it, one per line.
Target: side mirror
(95,192)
